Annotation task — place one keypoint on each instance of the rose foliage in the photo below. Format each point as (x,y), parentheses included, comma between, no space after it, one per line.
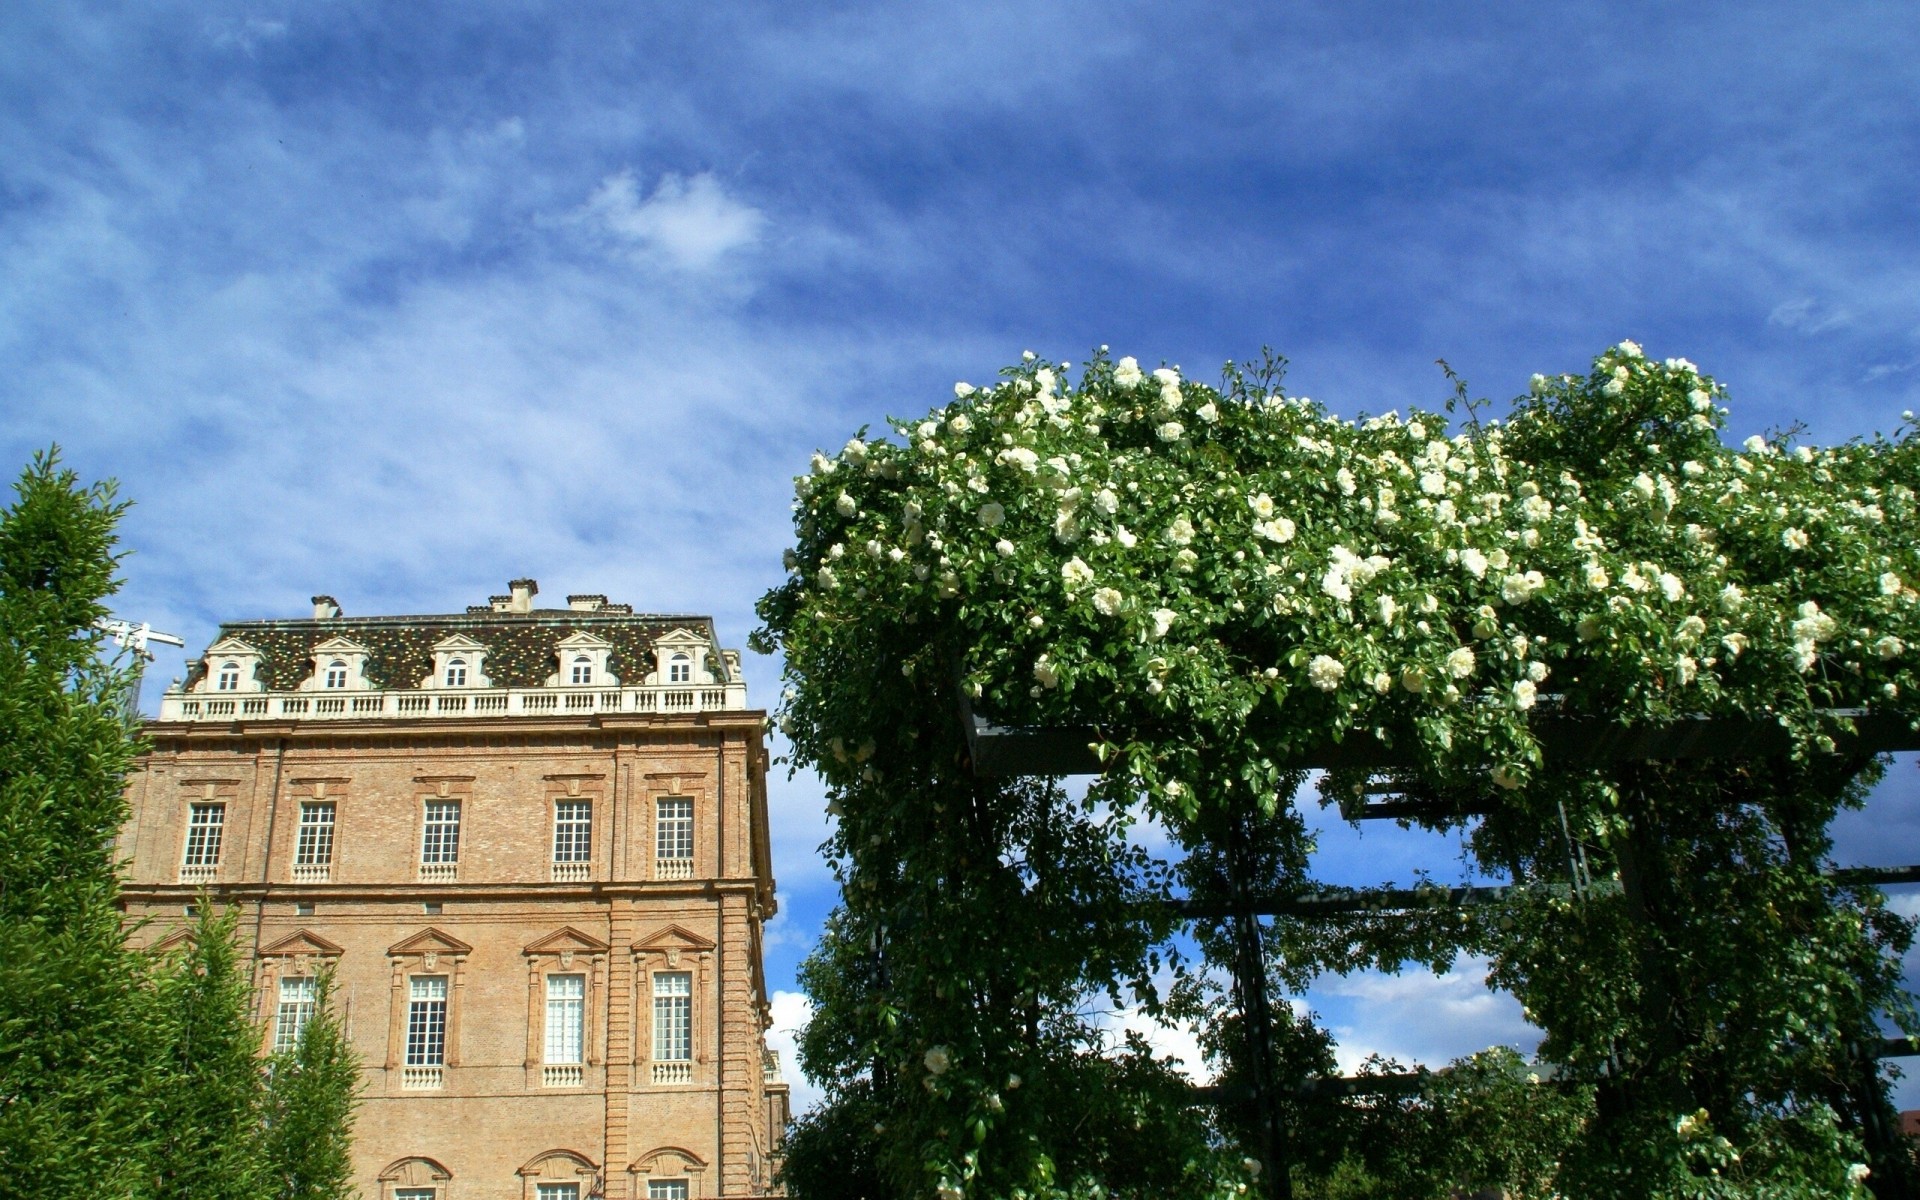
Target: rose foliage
(1226,582)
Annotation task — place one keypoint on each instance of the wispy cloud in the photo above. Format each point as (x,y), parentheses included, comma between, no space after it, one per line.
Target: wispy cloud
(1808,316)
(688,222)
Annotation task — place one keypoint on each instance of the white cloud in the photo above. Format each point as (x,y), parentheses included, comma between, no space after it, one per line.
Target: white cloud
(1418,1017)
(1177,1041)
(1809,317)
(791,1012)
(1879,371)
(692,223)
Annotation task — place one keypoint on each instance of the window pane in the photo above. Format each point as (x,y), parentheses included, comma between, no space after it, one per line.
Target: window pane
(673,830)
(413,1194)
(559,1191)
(205,823)
(315,845)
(673,1017)
(566,1010)
(427,1021)
(573,831)
(440,838)
(666,1189)
(296,1009)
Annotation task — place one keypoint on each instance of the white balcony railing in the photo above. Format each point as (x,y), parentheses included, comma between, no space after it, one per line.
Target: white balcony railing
(439,872)
(673,868)
(672,1072)
(493,702)
(312,872)
(571,872)
(198,874)
(563,1075)
(422,1079)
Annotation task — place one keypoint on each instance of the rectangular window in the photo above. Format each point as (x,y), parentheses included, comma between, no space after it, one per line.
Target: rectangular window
(296,1009)
(673,829)
(573,831)
(566,1013)
(558,1191)
(667,1189)
(205,824)
(427,1021)
(440,836)
(413,1194)
(673,1016)
(314,847)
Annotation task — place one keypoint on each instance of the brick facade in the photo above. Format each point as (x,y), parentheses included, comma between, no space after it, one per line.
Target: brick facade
(493,1120)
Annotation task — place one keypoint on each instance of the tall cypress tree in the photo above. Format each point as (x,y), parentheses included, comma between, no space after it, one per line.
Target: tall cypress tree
(311,1091)
(210,1099)
(75,1041)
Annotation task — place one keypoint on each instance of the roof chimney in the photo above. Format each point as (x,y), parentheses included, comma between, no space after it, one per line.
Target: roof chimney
(586,603)
(325,608)
(524,590)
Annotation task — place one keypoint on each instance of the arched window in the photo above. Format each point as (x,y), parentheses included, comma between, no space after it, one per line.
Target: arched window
(582,669)
(336,674)
(456,672)
(680,669)
(229,680)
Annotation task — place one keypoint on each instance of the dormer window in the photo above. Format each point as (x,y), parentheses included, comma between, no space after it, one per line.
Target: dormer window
(582,669)
(229,680)
(680,669)
(336,674)
(457,672)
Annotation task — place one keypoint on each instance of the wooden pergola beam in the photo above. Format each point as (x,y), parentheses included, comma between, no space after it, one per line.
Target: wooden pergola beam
(1564,740)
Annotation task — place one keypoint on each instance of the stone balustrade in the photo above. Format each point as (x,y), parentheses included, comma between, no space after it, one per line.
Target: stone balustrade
(451,703)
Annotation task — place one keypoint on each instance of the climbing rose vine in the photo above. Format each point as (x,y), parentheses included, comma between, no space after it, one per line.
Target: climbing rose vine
(1223,582)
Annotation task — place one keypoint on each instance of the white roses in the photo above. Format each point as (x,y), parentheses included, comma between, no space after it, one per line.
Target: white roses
(1325,672)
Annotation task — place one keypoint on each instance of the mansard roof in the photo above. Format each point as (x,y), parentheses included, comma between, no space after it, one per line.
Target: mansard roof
(520,646)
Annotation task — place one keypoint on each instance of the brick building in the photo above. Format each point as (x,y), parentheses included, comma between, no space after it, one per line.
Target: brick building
(532,844)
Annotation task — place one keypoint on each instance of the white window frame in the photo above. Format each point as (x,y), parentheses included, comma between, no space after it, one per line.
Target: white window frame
(426,1031)
(228,678)
(581,673)
(411,1193)
(313,839)
(680,668)
(572,830)
(336,676)
(556,1191)
(299,1000)
(669,1189)
(206,830)
(440,833)
(673,1016)
(673,834)
(456,672)
(565,1043)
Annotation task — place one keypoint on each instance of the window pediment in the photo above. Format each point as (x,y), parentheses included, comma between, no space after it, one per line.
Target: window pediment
(414,1171)
(566,941)
(672,942)
(302,943)
(429,943)
(559,1164)
(668,1160)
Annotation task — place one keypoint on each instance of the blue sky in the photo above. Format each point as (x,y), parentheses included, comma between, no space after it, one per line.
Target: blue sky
(397,302)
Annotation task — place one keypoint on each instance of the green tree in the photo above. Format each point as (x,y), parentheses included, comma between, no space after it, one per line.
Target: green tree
(76,1052)
(209,1101)
(311,1092)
